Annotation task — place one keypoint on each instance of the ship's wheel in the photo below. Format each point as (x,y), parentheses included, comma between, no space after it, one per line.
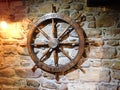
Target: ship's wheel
(55,43)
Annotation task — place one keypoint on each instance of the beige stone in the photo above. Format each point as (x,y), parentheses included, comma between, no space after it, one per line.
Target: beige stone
(105,21)
(102,52)
(116,65)
(95,75)
(73,75)
(7,72)
(7,81)
(27,72)
(116,74)
(92,24)
(66,1)
(111,34)
(32,83)
(112,42)
(82,86)
(93,33)
(107,87)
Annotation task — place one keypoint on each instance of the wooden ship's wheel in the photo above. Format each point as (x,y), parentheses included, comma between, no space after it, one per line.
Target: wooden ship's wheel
(55,44)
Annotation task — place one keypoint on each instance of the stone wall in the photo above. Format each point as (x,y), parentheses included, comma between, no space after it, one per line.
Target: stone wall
(102,48)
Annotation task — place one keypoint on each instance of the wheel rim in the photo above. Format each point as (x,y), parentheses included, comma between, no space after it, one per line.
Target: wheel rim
(55,43)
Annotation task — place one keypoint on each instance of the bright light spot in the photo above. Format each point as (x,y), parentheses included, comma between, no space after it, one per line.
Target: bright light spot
(3,25)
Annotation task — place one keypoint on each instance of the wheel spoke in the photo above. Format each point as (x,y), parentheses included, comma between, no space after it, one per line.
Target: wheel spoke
(66,54)
(39,45)
(46,55)
(54,29)
(65,32)
(69,44)
(43,33)
(56,58)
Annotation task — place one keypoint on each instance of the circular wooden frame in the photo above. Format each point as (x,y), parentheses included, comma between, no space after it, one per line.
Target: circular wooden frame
(55,44)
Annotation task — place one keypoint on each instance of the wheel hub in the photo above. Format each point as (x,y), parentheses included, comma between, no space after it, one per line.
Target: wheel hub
(53,42)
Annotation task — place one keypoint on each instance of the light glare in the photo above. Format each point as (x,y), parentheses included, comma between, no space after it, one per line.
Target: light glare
(3,25)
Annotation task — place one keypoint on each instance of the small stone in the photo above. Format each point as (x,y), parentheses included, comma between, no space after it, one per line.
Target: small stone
(102,21)
(27,72)
(82,86)
(23,51)
(63,87)
(95,75)
(47,83)
(107,87)
(116,74)
(76,6)
(93,33)
(32,83)
(92,24)
(111,34)
(7,87)
(20,83)
(90,18)
(99,52)
(28,88)
(73,75)
(96,63)
(116,65)
(65,6)
(118,52)
(66,1)
(96,42)
(7,81)
(7,72)
(112,42)
(64,12)
(107,63)
(73,14)
(46,7)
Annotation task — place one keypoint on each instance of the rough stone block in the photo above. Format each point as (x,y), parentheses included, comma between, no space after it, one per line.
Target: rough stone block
(76,6)
(63,87)
(65,6)
(46,7)
(66,1)
(116,65)
(7,81)
(73,75)
(118,52)
(116,74)
(9,50)
(33,83)
(27,72)
(28,88)
(96,42)
(92,24)
(90,18)
(112,42)
(102,52)
(96,63)
(22,51)
(7,87)
(93,33)
(111,34)
(64,12)
(49,84)
(82,86)
(107,87)
(107,63)
(102,21)
(95,75)
(7,72)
